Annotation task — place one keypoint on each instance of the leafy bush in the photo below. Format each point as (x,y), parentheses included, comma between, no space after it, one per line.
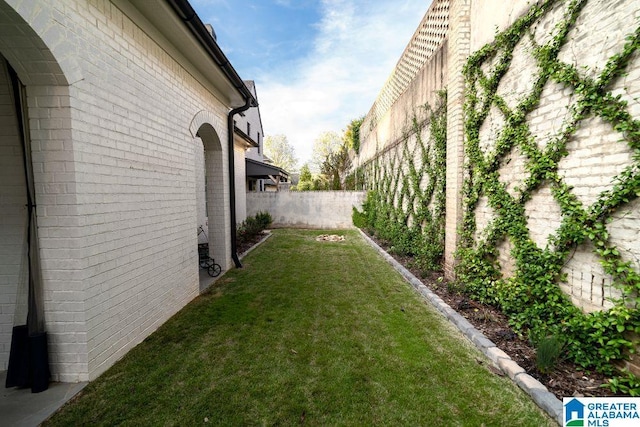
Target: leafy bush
(531,297)
(627,383)
(264,219)
(359,218)
(252,226)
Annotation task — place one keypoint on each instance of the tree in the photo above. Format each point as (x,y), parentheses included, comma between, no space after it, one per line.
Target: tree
(325,144)
(352,134)
(305,173)
(305,182)
(336,167)
(281,152)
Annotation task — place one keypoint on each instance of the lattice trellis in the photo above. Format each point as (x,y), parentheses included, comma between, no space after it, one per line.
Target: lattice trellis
(425,41)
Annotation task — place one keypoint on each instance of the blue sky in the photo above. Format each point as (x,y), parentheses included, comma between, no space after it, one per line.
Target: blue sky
(317,63)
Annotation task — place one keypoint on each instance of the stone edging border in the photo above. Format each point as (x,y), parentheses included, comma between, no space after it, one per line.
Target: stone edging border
(546,400)
(245,253)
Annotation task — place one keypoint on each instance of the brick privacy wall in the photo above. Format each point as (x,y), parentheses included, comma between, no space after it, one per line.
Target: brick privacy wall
(394,124)
(307,209)
(426,40)
(459,39)
(13,217)
(116,185)
(394,165)
(595,155)
(419,75)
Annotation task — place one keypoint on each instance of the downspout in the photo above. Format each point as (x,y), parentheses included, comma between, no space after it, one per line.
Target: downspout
(185,12)
(232,179)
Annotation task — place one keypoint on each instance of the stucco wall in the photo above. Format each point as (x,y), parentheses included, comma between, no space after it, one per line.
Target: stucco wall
(307,209)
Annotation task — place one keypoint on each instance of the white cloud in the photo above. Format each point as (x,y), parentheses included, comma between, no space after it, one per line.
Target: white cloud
(358,44)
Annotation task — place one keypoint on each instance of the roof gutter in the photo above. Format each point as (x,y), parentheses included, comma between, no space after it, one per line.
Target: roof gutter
(185,12)
(188,15)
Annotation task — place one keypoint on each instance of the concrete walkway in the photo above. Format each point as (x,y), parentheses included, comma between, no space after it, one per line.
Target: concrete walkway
(21,408)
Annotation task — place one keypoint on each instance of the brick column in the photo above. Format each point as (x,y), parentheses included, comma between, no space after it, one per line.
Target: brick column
(458,51)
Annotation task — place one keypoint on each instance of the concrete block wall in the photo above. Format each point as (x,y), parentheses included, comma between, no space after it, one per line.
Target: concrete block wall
(307,209)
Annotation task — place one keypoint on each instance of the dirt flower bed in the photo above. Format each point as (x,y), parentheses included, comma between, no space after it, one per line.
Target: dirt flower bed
(244,245)
(565,380)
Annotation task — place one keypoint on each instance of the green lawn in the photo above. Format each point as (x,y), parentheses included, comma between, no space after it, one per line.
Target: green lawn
(316,333)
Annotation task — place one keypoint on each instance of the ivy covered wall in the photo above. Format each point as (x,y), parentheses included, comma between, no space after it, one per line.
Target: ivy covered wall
(542,170)
(551,222)
(405,205)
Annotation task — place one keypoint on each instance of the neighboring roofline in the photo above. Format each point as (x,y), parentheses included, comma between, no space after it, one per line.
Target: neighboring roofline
(259,163)
(187,14)
(255,94)
(244,136)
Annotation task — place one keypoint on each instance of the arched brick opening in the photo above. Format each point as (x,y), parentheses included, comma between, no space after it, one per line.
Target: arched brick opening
(212,197)
(25,48)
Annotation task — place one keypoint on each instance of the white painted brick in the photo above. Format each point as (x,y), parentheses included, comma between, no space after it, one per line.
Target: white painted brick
(118,206)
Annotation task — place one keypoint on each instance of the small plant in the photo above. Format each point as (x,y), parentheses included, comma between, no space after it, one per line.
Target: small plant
(264,219)
(548,353)
(359,218)
(627,383)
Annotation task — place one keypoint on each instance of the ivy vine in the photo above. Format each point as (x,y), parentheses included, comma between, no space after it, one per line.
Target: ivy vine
(532,297)
(405,204)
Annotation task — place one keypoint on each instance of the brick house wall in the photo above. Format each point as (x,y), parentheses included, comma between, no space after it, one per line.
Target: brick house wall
(13,221)
(119,118)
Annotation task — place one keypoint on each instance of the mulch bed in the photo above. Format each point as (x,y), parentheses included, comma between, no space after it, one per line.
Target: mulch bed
(565,380)
(246,243)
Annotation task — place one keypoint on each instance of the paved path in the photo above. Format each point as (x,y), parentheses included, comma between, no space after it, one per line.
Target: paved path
(21,408)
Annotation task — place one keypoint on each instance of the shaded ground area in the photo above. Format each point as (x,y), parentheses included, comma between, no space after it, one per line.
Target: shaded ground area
(308,332)
(565,380)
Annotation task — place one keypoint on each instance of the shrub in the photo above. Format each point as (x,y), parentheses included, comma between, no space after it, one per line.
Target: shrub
(264,219)
(252,226)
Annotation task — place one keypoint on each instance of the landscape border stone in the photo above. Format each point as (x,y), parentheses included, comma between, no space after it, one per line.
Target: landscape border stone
(546,400)
(267,234)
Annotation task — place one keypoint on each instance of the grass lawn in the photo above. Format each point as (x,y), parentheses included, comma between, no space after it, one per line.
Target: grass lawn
(317,333)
